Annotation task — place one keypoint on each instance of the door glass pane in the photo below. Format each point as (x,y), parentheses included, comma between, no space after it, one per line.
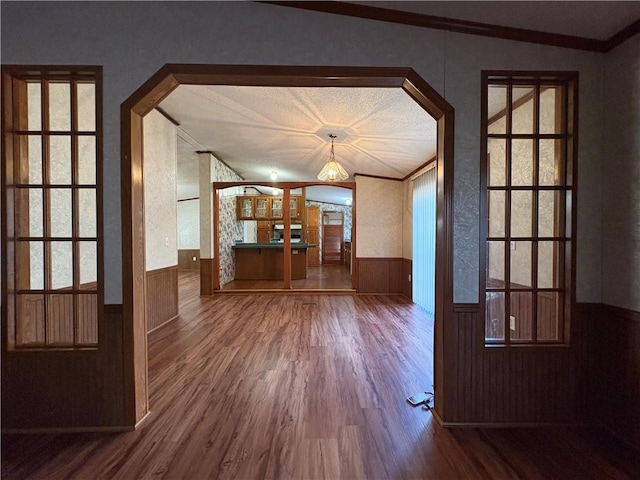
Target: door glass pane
(495,264)
(86,107)
(30,274)
(88,253)
(60,212)
(59,106)
(548,264)
(36,219)
(60,319)
(550,111)
(496,162)
(520,315)
(34,106)
(61,265)
(496,108)
(522,162)
(521,213)
(496,213)
(86,160)
(549,312)
(29,319)
(550,158)
(494,315)
(60,160)
(35,159)
(87,226)
(548,211)
(520,264)
(522,107)
(87,308)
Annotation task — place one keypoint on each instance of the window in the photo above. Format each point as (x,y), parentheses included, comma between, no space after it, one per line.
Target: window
(529,178)
(51,215)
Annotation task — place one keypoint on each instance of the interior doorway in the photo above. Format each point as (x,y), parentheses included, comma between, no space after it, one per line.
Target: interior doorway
(332,238)
(133,231)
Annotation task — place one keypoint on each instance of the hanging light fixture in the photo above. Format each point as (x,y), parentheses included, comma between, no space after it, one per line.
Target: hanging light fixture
(332,171)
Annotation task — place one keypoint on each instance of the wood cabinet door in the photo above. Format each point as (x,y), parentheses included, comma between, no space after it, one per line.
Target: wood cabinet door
(332,244)
(313,216)
(244,208)
(313,254)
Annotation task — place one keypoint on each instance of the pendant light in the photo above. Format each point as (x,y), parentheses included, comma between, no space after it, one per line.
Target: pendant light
(332,171)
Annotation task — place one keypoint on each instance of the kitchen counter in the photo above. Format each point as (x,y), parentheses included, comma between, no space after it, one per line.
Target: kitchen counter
(265,261)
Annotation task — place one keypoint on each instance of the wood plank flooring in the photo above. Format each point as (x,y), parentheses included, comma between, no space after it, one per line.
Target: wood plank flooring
(303,387)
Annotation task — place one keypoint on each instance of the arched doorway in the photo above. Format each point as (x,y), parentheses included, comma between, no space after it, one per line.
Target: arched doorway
(133,236)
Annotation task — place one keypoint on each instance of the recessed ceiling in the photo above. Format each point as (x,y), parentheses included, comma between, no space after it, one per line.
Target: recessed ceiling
(255,130)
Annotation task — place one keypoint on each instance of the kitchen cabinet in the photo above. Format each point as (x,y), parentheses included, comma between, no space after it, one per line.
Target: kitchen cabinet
(266,207)
(313,235)
(244,207)
(264,231)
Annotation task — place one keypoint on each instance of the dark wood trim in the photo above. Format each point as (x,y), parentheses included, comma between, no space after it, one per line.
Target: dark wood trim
(207,266)
(188,199)
(167,116)
(171,75)
(466,26)
(378,176)
(622,36)
(466,307)
(113,309)
(421,167)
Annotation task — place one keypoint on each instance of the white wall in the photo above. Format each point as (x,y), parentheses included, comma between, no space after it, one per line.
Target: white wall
(132,40)
(160,197)
(621,178)
(189,224)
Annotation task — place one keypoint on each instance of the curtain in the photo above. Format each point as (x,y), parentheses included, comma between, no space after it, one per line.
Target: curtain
(424,240)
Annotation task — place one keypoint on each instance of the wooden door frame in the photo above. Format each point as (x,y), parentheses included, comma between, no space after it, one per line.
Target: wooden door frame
(169,77)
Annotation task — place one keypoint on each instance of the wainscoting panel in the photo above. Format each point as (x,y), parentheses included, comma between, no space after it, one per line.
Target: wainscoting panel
(380,275)
(67,389)
(186,259)
(513,385)
(162,296)
(618,350)
(407,284)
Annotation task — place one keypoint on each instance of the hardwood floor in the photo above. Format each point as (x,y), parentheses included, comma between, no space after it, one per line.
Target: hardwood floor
(303,387)
(318,278)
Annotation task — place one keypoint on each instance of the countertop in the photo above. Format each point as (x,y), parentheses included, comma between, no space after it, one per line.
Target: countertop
(273,245)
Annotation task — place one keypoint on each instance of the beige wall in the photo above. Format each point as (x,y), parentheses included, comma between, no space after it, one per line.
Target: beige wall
(160,196)
(407,219)
(379,217)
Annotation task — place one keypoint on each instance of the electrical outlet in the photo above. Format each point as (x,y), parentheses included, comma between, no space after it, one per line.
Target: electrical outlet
(409,277)
(194,259)
(166,241)
(512,322)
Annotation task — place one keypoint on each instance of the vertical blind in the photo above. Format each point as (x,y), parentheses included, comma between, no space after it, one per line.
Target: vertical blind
(424,240)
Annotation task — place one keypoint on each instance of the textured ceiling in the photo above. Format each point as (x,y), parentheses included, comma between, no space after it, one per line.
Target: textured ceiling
(255,130)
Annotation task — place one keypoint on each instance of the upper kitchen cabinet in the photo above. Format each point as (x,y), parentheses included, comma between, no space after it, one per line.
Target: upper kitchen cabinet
(244,207)
(266,207)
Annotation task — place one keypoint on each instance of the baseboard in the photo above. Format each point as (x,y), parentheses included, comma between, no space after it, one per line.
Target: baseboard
(514,424)
(142,420)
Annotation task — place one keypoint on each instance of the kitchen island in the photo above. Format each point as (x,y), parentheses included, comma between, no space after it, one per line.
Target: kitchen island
(265,261)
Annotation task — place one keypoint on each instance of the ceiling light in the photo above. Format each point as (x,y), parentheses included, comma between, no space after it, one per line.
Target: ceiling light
(274,175)
(332,171)
(348,201)
(275,191)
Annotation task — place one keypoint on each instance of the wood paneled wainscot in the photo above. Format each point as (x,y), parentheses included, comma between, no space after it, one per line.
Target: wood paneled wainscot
(265,261)
(162,296)
(380,275)
(189,259)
